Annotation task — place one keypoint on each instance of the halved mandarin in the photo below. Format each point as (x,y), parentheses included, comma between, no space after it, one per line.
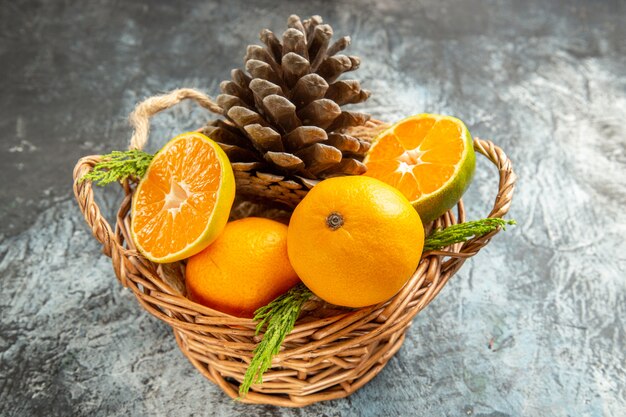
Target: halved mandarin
(429,158)
(183,201)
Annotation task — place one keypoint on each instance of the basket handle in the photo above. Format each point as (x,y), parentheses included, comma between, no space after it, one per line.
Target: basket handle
(83,190)
(502,203)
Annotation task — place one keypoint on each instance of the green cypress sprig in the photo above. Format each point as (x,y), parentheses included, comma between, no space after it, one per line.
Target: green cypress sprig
(281,314)
(118,166)
(462,232)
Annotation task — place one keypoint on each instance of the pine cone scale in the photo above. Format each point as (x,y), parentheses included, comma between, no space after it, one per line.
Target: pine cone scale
(319,157)
(272,43)
(304,136)
(294,67)
(263,138)
(282,112)
(293,41)
(243,116)
(285,161)
(321,113)
(338,46)
(309,88)
(319,44)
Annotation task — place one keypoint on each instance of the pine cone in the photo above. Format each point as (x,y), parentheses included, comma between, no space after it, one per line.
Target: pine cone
(284,122)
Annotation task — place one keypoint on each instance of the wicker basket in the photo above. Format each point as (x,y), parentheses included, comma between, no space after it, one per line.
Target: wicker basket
(332,351)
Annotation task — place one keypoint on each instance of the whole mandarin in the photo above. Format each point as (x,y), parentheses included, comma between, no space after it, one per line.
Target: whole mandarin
(245,268)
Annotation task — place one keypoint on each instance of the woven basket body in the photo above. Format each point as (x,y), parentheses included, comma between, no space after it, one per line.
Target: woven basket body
(332,351)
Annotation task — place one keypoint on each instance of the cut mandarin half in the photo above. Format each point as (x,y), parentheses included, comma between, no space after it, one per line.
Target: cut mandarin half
(183,202)
(429,158)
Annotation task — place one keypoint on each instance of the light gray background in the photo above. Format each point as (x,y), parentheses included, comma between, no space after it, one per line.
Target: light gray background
(532,326)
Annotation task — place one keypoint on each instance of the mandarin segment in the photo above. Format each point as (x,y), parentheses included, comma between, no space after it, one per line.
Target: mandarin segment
(432,176)
(411,133)
(160,178)
(387,148)
(149,233)
(444,132)
(203,202)
(448,153)
(187,227)
(165,234)
(408,185)
(386,171)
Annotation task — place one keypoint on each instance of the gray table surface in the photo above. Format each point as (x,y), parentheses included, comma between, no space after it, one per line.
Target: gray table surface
(532,326)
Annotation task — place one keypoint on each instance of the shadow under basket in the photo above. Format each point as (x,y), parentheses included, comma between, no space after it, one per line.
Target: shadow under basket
(332,351)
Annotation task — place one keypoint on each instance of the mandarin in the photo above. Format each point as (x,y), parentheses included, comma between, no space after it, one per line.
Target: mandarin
(245,268)
(428,157)
(183,201)
(355,241)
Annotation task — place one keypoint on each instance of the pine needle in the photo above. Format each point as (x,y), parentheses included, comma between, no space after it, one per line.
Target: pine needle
(118,166)
(281,314)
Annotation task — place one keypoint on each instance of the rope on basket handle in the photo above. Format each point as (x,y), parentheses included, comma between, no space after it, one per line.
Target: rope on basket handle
(140,117)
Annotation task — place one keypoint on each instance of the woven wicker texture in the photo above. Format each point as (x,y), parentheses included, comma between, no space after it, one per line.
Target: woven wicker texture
(332,351)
